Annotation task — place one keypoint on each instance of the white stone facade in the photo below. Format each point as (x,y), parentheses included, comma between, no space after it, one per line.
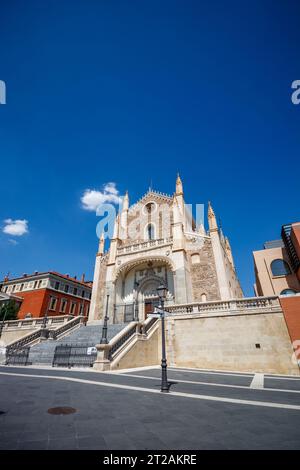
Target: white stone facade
(156,241)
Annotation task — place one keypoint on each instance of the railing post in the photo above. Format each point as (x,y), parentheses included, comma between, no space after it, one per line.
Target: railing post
(102,362)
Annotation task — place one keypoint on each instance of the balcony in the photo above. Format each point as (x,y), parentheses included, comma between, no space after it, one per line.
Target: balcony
(144,246)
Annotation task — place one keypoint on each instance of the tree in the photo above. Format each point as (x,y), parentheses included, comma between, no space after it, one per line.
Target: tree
(9,310)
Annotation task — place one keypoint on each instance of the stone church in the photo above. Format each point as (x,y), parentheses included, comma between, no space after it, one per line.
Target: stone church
(157,241)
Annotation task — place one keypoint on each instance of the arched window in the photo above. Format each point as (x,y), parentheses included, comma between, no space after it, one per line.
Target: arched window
(195,258)
(150,231)
(288,292)
(279,267)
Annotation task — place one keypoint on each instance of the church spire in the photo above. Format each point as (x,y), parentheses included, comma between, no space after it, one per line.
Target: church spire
(101,245)
(179,187)
(116,228)
(125,202)
(201,229)
(123,232)
(228,251)
(212,221)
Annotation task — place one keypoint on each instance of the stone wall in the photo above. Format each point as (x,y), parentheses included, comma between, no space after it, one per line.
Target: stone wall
(203,274)
(144,352)
(249,342)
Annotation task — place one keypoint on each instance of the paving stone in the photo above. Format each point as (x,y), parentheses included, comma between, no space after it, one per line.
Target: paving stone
(62,443)
(91,442)
(33,445)
(121,419)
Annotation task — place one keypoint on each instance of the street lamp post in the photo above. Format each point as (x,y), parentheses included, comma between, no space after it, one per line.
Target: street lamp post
(104,329)
(135,306)
(162,291)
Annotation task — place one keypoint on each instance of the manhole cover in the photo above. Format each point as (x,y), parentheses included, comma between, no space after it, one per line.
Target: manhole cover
(61,410)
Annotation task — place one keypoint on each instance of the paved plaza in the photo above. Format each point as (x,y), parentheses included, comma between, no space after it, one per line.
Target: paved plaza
(204,410)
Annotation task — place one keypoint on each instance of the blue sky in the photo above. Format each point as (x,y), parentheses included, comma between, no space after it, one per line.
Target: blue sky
(132,91)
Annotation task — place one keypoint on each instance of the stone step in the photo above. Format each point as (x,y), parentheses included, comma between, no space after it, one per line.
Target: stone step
(43,353)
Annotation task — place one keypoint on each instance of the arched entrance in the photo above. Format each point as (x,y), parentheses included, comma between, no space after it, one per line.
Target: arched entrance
(147,295)
(136,288)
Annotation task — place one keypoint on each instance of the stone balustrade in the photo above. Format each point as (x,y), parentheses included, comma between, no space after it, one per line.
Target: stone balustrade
(37,322)
(141,246)
(259,304)
(107,353)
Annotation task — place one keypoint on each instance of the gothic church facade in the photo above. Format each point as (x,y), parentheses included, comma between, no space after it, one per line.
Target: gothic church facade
(156,241)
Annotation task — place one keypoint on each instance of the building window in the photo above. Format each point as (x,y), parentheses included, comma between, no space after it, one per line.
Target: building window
(72,308)
(63,305)
(149,208)
(53,303)
(288,292)
(40,283)
(56,285)
(66,288)
(195,258)
(279,267)
(75,291)
(83,294)
(81,309)
(150,232)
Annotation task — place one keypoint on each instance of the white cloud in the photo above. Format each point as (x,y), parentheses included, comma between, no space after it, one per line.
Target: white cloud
(92,198)
(13,241)
(17,228)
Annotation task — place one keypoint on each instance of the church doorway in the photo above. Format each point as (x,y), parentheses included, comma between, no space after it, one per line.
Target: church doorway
(150,305)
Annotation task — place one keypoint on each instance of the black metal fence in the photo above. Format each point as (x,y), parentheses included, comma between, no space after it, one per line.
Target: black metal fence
(71,355)
(17,356)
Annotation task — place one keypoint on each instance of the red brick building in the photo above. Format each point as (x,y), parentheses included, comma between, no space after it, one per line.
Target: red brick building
(50,293)
(291,304)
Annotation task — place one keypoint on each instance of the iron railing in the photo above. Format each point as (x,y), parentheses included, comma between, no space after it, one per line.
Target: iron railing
(121,341)
(17,356)
(147,325)
(45,333)
(71,355)
(28,339)
(286,237)
(54,334)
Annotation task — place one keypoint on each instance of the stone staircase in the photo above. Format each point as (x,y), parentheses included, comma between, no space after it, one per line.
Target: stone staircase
(43,353)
